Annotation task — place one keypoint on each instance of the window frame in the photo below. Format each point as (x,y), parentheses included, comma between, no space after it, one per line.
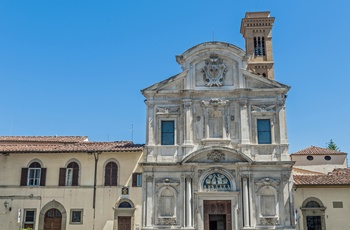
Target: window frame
(35,179)
(63,179)
(137,180)
(39,178)
(161,120)
(25,222)
(259,131)
(71,216)
(116,183)
(69,177)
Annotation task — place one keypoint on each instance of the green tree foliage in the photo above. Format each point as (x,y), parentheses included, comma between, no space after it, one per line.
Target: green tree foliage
(331,145)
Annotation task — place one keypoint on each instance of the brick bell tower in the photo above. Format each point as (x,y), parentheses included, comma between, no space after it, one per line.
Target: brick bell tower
(256,29)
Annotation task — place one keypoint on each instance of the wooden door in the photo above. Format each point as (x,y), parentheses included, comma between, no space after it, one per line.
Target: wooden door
(124,223)
(53,220)
(217,215)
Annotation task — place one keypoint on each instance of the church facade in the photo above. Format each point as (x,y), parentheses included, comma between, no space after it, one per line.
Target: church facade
(216,153)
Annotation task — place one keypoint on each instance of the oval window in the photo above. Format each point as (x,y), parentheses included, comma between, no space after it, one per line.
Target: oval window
(327,158)
(310,158)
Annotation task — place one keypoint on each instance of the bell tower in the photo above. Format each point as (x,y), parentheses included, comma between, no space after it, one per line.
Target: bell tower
(256,29)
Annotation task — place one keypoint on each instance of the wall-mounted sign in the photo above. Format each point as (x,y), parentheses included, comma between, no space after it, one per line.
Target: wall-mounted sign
(125,191)
(19,216)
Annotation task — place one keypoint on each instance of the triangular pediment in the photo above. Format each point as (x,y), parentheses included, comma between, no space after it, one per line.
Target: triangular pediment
(254,81)
(216,154)
(173,83)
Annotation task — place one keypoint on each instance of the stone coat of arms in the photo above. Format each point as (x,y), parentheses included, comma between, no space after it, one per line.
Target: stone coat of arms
(214,71)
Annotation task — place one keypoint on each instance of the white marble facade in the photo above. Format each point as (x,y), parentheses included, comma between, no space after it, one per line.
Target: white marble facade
(217,149)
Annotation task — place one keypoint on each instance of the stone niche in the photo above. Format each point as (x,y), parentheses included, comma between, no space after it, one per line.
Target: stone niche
(167,192)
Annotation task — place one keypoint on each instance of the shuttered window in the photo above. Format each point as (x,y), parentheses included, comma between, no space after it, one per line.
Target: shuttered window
(69,176)
(136,179)
(33,176)
(111,174)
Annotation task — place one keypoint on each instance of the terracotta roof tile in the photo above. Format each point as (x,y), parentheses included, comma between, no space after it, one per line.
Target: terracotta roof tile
(122,146)
(57,139)
(337,177)
(304,172)
(313,150)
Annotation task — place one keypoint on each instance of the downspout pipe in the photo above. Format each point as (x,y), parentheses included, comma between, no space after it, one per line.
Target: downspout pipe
(96,156)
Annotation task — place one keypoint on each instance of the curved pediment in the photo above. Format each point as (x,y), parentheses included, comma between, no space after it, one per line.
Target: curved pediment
(213,65)
(216,154)
(197,51)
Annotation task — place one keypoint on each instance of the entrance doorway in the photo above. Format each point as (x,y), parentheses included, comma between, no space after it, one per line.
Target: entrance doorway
(314,223)
(314,214)
(53,220)
(217,222)
(124,223)
(217,215)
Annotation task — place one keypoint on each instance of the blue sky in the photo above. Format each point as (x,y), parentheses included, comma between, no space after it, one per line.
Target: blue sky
(77,67)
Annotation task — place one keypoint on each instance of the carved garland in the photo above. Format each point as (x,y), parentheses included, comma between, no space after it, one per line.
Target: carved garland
(267,182)
(167,221)
(216,156)
(263,108)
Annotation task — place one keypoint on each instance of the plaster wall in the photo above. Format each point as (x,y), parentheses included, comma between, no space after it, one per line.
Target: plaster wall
(70,197)
(335,218)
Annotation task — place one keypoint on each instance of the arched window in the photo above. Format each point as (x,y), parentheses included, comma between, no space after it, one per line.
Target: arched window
(124,204)
(69,176)
(111,174)
(312,204)
(34,175)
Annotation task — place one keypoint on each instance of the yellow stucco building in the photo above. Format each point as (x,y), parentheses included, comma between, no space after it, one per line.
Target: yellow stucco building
(321,189)
(69,183)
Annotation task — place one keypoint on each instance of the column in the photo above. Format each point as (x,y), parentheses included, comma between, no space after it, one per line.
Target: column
(188,122)
(115,222)
(245,201)
(149,201)
(188,201)
(281,109)
(244,121)
(183,188)
(205,122)
(288,209)
(150,123)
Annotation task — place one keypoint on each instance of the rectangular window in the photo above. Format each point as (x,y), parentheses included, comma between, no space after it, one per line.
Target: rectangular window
(76,216)
(264,131)
(137,180)
(168,133)
(34,176)
(29,218)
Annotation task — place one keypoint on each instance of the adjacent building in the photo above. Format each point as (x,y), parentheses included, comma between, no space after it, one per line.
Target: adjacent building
(61,182)
(322,188)
(216,154)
